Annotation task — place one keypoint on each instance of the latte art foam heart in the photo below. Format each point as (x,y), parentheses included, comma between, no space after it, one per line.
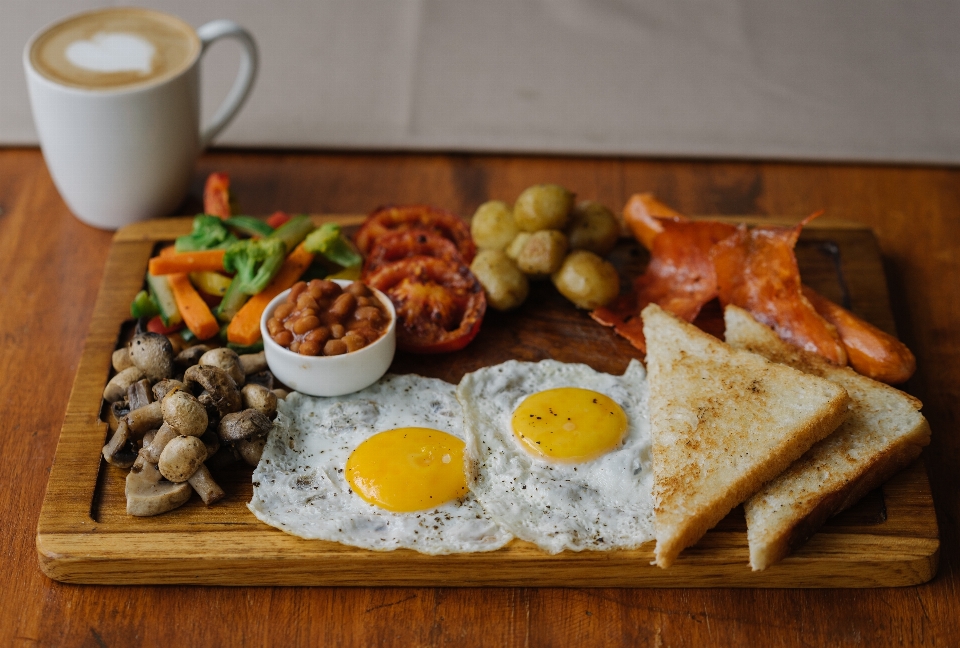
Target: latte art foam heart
(109,52)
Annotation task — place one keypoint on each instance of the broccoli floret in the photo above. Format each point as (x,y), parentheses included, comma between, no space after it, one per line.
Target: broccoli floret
(209,233)
(326,240)
(255,262)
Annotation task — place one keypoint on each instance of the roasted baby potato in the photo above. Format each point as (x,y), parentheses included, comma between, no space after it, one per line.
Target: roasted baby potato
(542,253)
(506,287)
(493,227)
(587,280)
(592,227)
(516,245)
(543,206)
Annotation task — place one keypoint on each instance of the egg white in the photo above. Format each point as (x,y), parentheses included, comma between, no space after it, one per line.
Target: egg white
(606,503)
(300,486)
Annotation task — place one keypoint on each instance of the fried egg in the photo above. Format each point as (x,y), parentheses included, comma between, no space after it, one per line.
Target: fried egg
(381,469)
(559,454)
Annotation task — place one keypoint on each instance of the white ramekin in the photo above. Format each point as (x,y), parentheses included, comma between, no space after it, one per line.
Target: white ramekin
(331,375)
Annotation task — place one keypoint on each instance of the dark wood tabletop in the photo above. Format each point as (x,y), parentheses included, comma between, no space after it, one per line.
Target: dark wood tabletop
(51,266)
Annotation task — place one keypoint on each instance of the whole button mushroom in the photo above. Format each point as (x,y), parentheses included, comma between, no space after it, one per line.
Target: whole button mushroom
(259,398)
(226,359)
(182,461)
(153,354)
(181,457)
(242,426)
(184,413)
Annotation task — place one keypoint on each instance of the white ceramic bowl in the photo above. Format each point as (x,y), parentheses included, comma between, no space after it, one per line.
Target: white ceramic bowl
(330,375)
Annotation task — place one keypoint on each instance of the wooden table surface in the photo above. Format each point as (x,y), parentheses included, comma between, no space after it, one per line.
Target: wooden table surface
(50,269)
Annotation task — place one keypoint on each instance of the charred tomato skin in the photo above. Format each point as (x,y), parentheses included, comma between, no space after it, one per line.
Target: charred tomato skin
(405,217)
(440,304)
(400,244)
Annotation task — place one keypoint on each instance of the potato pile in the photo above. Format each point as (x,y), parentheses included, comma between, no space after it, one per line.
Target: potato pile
(545,235)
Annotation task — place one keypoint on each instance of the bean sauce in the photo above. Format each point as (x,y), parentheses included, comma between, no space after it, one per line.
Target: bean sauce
(321,318)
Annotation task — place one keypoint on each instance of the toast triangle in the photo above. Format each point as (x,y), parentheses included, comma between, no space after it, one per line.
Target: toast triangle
(884,432)
(723,422)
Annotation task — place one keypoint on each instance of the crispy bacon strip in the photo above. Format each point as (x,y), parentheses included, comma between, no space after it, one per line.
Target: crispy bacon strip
(757,270)
(680,277)
(871,352)
(645,216)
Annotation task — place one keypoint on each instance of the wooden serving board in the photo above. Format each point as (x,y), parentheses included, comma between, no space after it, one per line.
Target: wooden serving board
(84,535)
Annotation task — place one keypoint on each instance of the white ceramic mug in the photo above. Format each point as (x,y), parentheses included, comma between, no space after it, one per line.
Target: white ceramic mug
(115,95)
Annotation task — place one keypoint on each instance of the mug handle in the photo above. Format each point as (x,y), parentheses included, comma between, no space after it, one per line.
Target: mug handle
(214,31)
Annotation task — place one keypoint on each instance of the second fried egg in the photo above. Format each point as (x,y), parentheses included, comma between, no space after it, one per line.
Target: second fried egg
(559,454)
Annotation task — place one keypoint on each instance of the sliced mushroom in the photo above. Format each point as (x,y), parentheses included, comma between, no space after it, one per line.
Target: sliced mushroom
(116,411)
(118,451)
(149,494)
(139,394)
(121,359)
(184,413)
(264,378)
(153,354)
(226,359)
(217,390)
(253,363)
(116,389)
(240,426)
(251,450)
(259,398)
(181,457)
(281,393)
(190,356)
(164,387)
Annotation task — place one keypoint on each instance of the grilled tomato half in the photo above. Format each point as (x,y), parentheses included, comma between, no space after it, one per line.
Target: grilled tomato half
(440,304)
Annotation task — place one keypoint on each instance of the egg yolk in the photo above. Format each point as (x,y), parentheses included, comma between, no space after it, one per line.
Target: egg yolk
(569,424)
(408,469)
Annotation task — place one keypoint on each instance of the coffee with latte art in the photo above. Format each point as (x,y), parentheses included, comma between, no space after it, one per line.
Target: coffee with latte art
(113,49)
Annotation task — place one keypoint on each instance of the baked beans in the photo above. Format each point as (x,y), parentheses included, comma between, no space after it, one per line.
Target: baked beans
(321,318)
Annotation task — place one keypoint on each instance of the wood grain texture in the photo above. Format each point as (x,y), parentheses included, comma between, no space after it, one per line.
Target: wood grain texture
(51,267)
(85,536)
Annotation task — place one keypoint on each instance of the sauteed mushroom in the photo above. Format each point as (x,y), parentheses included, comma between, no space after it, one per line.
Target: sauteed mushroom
(153,354)
(116,389)
(253,363)
(190,356)
(259,398)
(149,494)
(182,461)
(164,387)
(227,360)
(218,392)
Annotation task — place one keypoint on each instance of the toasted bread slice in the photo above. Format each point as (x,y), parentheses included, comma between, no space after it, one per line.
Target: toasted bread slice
(722,422)
(883,433)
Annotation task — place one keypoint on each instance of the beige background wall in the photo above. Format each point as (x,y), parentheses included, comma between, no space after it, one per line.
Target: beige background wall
(857,80)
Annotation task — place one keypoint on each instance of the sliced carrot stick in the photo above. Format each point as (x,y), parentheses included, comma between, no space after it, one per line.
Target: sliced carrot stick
(244,328)
(195,312)
(198,261)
